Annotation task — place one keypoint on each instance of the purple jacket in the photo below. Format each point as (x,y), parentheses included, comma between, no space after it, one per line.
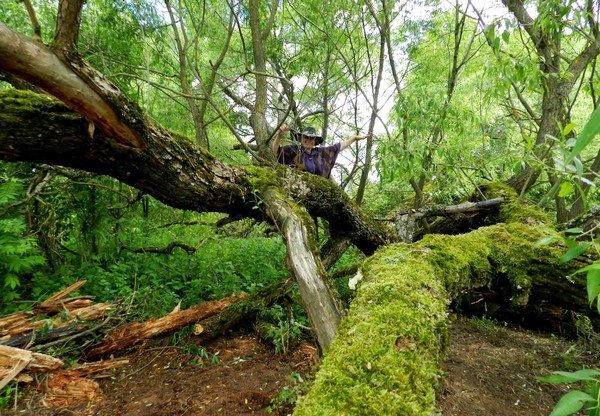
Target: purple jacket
(319,161)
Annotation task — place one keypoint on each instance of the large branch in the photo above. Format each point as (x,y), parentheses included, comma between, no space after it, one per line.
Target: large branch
(321,301)
(41,66)
(36,128)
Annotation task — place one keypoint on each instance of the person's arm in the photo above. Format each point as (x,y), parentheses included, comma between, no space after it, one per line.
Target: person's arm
(351,140)
(278,137)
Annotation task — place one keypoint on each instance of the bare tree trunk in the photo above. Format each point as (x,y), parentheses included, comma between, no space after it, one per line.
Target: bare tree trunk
(182,49)
(320,299)
(258,118)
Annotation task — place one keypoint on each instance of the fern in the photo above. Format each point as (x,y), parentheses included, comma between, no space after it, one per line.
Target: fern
(19,254)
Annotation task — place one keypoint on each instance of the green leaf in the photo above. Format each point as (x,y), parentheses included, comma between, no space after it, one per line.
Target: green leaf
(11,281)
(593,266)
(590,130)
(593,284)
(575,230)
(545,241)
(574,252)
(565,189)
(587,374)
(568,129)
(578,166)
(571,403)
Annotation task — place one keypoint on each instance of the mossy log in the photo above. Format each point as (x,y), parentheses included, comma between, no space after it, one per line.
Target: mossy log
(385,359)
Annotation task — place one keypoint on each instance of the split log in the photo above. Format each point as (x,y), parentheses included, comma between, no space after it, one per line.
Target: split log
(95,367)
(20,332)
(63,304)
(39,337)
(63,293)
(36,361)
(15,360)
(128,335)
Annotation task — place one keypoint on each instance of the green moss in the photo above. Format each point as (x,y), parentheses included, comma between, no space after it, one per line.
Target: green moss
(385,358)
(259,177)
(31,103)
(512,209)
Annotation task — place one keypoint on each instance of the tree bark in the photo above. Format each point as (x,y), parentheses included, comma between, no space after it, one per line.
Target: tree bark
(321,301)
(38,129)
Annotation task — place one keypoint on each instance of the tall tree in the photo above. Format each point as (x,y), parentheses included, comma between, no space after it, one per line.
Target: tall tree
(562,39)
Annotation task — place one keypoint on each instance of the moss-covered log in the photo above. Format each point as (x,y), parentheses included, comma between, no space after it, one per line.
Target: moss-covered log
(385,358)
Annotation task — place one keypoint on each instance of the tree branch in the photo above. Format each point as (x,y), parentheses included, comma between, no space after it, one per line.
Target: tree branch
(68,21)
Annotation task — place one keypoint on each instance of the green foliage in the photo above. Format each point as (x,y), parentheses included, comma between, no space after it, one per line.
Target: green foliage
(89,230)
(589,397)
(19,256)
(288,396)
(575,400)
(9,394)
(200,356)
(286,325)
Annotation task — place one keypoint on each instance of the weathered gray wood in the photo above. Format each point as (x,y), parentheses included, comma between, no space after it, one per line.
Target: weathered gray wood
(321,302)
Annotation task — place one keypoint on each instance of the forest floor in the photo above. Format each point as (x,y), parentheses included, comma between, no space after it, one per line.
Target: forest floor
(490,370)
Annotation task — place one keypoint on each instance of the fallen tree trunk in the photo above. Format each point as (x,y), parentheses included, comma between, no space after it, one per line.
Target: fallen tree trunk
(390,345)
(245,309)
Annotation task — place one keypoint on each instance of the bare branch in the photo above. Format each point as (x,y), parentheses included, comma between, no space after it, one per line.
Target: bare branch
(37,31)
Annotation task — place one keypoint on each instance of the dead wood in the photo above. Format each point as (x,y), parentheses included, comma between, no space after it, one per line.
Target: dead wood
(36,361)
(66,304)
(20,328)
(63,293)
(66,390)
(133,333)
(407,220)
(87,369)
(40,337)
(244,310)
(15,360)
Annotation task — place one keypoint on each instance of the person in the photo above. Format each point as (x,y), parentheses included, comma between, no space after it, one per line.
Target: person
(304,155)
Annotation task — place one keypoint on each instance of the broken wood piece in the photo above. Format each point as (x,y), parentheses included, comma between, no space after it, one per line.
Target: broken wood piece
(94,367)
(10,320)
(12,373)
(62,304)
(18,333)
(406,219)
(63,293)
(36,361)
(130,334)
(39,337)
(15,360)
(465,207)
(64,390)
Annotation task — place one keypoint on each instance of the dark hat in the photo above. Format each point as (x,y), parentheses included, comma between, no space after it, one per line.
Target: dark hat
(308,132)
